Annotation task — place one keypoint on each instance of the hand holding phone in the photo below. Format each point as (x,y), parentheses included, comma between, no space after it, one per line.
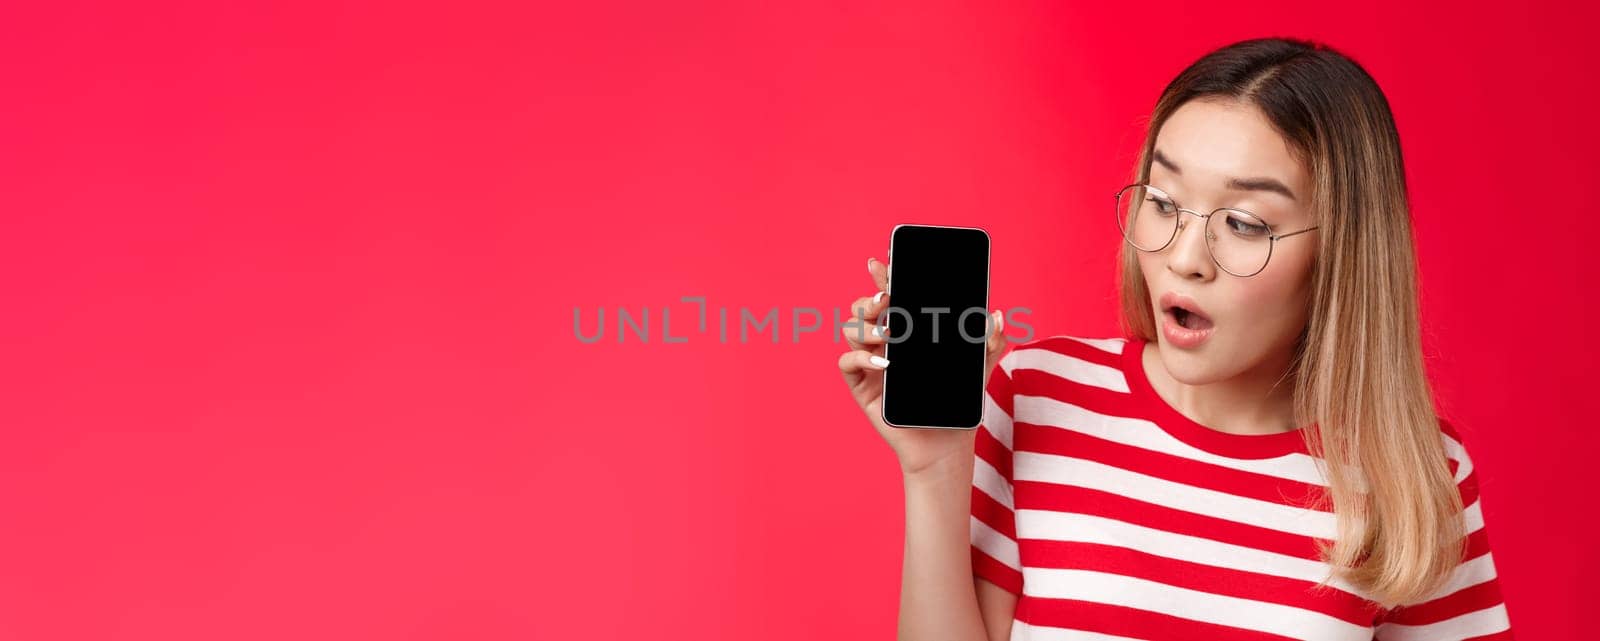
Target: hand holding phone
(864,366)
(937,327)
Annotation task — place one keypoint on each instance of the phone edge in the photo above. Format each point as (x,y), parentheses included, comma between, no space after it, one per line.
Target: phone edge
(988,259)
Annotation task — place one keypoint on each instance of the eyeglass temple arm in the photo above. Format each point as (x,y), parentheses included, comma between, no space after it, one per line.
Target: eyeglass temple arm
(1302,231)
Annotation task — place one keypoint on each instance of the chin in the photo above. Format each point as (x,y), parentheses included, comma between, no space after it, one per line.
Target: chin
(1197,366)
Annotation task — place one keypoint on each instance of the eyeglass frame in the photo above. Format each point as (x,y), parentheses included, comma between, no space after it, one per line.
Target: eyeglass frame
(1272,238)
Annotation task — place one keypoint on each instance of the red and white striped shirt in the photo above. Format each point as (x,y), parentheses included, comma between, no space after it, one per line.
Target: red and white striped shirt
(1114,516)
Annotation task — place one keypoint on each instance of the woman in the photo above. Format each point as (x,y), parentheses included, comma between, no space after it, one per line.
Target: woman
(1260,457)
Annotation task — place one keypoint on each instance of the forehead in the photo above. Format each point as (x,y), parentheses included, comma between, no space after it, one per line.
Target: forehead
(1213,140)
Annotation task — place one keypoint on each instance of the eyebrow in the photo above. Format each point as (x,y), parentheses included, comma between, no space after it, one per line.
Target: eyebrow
(1244,184)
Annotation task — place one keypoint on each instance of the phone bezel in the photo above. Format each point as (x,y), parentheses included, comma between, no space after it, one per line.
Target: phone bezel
(988,253)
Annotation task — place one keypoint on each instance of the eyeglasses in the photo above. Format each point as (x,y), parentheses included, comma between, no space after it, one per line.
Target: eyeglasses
(1240,242)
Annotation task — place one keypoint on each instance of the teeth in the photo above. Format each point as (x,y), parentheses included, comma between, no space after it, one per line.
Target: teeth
(1188,319)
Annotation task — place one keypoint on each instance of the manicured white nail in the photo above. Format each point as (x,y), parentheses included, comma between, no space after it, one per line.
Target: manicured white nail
(878,361)
(877,298)
(869,265)
(999,321)
(877,331)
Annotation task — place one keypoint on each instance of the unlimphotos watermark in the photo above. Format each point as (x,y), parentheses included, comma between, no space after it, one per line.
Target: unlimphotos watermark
(802,320)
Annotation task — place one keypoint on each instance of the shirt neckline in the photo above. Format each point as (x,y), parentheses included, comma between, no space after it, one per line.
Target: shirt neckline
(1183,428)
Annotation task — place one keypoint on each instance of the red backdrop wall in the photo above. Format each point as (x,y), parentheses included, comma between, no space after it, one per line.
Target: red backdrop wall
(289,346)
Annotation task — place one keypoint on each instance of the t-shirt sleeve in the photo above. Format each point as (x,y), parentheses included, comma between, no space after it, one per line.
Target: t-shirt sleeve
(993,522)
(1469,606)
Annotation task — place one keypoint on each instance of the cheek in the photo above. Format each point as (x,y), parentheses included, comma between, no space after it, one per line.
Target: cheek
(1276,297)
(1148,264)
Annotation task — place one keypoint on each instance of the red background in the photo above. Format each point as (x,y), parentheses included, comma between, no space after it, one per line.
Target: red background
(289,345)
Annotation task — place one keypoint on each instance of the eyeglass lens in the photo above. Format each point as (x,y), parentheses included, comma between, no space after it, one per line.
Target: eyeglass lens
(1239,241)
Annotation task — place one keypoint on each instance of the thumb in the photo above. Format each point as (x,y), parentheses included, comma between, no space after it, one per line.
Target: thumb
(996,344)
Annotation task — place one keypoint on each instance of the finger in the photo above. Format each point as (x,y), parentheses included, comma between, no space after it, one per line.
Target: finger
(880,274)
(997,329)
(869,307)
(863,334)
(997,335)
(995,348)
(856,363)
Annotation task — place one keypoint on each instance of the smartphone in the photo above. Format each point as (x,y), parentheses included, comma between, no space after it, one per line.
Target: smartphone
(937,322)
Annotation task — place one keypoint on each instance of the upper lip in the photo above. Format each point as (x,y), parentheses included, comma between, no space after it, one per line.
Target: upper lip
(1170,300)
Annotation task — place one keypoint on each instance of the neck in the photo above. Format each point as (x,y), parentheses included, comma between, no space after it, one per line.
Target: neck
(1257,401)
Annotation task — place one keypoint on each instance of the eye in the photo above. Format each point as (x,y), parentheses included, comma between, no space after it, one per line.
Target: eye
(1247,226)
(1163,206)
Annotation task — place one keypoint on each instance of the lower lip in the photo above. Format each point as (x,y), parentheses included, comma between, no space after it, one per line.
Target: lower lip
(1180,336)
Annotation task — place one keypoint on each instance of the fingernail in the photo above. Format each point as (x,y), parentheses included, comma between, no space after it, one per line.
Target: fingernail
(870,260)
(999,321)
(877,298)
(877,331)
(878,361)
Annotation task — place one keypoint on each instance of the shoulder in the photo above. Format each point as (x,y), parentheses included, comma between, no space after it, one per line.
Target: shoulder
(1092,360)
(1454,445)
(1096,350)
(1455,450)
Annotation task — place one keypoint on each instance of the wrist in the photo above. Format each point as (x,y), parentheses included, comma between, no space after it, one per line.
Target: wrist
(948,470)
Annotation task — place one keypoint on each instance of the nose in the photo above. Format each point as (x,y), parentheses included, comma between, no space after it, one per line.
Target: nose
(1188,256)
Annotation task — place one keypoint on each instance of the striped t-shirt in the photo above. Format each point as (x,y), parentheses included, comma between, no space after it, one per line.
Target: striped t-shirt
(1113,516)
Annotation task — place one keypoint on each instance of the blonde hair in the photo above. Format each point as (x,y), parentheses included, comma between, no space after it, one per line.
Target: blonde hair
(1358,368)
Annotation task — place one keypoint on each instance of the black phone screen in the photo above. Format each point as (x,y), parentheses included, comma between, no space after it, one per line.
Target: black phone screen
(936,319)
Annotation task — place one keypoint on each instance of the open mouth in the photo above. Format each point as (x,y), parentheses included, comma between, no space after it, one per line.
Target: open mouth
(1185,326)
(1189,319)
